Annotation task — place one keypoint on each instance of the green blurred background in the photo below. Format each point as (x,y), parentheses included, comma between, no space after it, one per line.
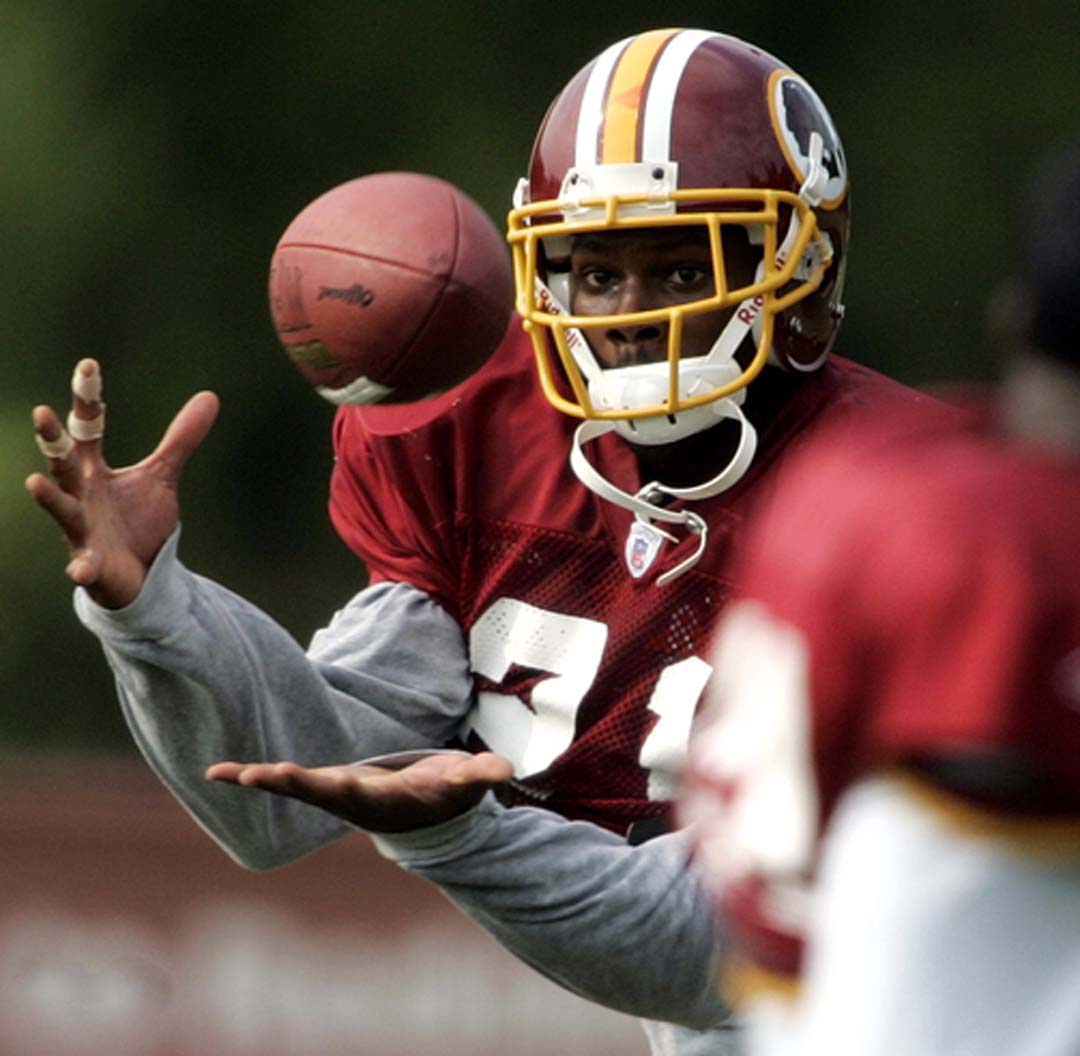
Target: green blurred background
(153,152)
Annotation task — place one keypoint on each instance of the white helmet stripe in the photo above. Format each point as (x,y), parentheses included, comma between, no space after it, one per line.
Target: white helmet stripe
(591,114)
(656,137)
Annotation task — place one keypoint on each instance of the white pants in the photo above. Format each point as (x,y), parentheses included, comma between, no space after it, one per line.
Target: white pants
(931,941)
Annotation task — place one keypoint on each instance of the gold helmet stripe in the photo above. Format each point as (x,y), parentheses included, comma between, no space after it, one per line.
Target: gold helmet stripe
(620,132)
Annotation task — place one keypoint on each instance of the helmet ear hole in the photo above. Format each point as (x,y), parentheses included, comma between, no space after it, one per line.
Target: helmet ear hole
(805,333)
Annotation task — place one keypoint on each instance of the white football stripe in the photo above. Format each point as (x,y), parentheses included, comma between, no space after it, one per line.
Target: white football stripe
(591,114)
(656,138)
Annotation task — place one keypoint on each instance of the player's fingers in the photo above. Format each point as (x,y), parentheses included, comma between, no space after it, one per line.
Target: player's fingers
(63,507)
(57,446)
(250,774)
(483,768)
(187,430)
(285,779)
(224,771)
(86,422)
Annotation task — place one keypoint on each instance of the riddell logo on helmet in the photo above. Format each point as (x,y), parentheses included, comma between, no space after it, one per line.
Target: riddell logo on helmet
(750,310)
(552,307)
(547,302)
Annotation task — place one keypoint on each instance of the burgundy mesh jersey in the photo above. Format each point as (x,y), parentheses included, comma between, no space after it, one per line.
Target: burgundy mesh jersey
(922,602)
(586,677)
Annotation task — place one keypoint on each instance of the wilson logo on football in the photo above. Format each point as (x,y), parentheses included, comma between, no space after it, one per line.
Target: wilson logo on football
(356,294)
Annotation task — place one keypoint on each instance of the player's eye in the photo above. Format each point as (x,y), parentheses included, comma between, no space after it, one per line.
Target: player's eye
(687,276)
(596,279)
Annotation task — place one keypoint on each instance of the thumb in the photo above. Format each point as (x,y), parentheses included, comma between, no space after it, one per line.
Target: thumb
(84,568)
(187,430)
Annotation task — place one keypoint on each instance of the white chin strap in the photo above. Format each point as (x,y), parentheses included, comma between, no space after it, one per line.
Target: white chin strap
(644,504)
(621,388)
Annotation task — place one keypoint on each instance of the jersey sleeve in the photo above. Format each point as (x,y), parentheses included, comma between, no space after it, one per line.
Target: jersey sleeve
(391,503)
(941,613)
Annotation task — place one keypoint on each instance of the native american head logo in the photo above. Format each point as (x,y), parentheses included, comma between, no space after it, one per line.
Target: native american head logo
(797,112)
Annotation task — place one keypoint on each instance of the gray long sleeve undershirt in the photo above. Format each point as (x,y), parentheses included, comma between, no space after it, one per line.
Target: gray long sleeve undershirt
(203,676)
(562,895)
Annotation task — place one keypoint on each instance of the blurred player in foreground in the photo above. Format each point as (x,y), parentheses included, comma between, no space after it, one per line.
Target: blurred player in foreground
(921,709)
(547,562)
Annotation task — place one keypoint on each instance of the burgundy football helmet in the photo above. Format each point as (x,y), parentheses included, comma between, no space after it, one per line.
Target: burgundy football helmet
(684,127)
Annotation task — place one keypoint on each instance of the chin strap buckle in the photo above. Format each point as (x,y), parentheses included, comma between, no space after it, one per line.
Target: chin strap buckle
(695,525)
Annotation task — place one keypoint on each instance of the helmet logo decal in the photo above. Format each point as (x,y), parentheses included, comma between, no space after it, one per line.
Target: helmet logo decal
(797,112)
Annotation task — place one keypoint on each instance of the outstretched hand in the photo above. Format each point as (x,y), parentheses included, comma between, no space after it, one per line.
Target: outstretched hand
(428,792)
(114,520)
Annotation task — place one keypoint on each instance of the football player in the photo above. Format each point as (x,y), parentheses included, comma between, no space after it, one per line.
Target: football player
(904,680)
(547,560)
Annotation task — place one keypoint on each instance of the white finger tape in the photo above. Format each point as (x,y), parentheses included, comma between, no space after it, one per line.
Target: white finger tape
(86,428)
(87,386)
(58,448)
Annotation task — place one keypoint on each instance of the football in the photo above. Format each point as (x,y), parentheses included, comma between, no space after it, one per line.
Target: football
(393,287)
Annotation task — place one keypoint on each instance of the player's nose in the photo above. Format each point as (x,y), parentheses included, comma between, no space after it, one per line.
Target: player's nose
(643,342)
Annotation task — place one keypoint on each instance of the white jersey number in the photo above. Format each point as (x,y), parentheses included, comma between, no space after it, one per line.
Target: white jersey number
(754,738)
(570,648)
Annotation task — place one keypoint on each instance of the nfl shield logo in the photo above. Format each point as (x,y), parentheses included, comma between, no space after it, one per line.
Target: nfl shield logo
(642,546)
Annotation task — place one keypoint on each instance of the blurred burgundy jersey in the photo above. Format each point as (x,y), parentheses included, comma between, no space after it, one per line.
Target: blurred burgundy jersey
(915,597)
(586,676)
